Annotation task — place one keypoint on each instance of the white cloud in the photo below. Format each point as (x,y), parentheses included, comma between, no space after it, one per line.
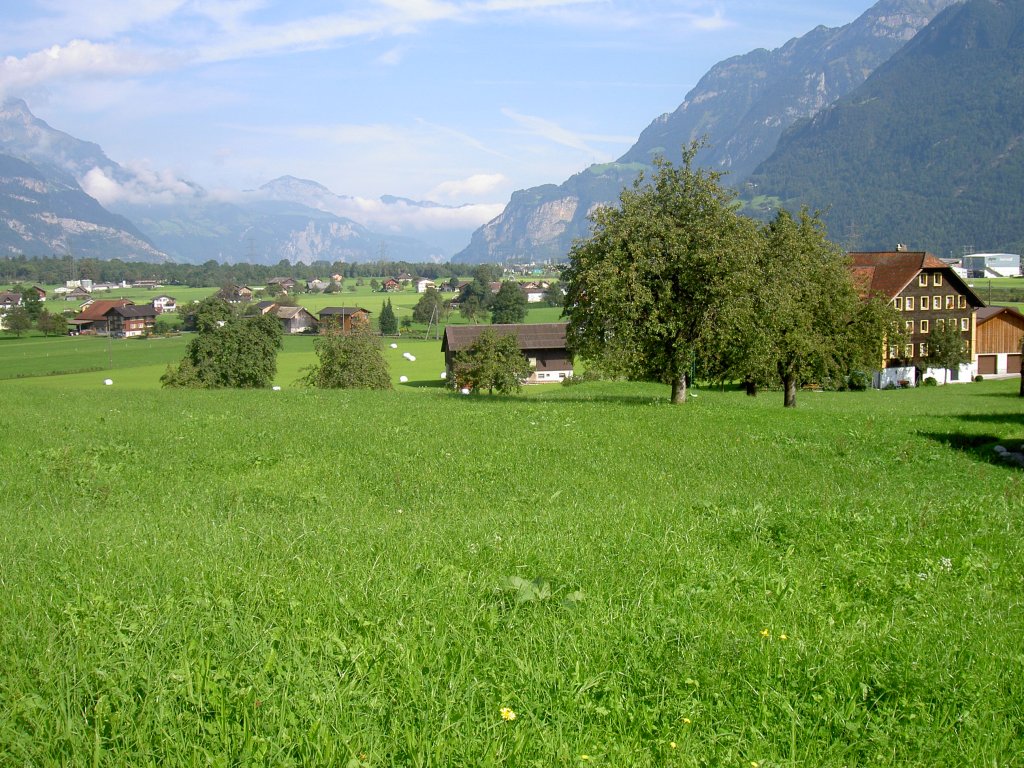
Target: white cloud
(147,186)
(79,58)
(553,132)
(474,186)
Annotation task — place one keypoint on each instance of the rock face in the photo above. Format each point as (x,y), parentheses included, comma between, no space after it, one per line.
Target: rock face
(44,211)
(742,106)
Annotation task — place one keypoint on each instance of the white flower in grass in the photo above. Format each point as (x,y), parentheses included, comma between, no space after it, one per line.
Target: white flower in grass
(946,564)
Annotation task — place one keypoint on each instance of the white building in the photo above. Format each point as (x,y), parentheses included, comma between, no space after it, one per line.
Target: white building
(991,265)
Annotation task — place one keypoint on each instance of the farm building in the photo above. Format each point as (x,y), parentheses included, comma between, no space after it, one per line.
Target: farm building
(93,318)
(999,334)
(130,320)
(927,293)
(343,317)
(543,345)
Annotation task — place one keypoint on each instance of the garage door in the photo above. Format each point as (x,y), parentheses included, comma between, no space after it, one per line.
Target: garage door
(1013,363)
(987,364)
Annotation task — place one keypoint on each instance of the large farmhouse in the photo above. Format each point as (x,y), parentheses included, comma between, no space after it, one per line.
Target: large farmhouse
(543,345)
(928,294)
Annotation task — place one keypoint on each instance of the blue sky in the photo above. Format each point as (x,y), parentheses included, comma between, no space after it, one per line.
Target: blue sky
(458,101)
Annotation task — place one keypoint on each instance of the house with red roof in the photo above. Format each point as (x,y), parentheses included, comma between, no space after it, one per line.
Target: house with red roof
(927,293)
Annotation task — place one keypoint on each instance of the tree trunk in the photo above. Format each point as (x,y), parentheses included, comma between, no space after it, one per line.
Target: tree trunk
(789,384)
(679,389)
(751,387)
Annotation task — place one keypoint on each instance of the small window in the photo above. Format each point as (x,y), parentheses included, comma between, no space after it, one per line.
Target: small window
(909,325)
(940,324)
(924,326)
(924,303)
(922,349)
(937,278)
(894,351)
(936,303)
(950,301)
(908,351)
(910,303)
(922,280)
(898,301)
(965,324)
(961,301)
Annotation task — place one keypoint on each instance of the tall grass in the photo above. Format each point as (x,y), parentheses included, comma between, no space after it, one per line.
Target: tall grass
(304,577)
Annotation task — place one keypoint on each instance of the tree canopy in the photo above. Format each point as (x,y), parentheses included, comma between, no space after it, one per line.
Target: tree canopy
(651,290)
(947,347)
(348,360)
(386,321)
(492,362)
(508,304)
(240,353)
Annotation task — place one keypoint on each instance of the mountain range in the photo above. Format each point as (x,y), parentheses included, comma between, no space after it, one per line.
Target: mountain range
(50,182)
(905,125)
(740,108)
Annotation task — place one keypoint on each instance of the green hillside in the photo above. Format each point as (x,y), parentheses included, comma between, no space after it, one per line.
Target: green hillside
(928,150)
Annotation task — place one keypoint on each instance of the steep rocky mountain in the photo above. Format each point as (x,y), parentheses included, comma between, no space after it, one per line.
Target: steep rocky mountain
(44,211)
(929,151)
(742,106)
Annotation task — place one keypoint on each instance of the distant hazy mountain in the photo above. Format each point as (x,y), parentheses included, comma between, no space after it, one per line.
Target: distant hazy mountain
(43,211)
(929,151)
(45,208)
(742,105)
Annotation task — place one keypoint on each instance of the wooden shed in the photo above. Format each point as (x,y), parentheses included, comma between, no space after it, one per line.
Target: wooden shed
(543,345)
(999,334)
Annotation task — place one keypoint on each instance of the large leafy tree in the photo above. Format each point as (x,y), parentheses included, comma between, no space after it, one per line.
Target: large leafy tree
(653,287)
(429,308)
(54,324)
(350,360)
(17,321)
(807,320)
(509,304)
(240,353)
(947,347)
(492,362)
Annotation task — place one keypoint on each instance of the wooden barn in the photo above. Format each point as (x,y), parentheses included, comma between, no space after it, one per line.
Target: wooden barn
(999,334)
(543,345)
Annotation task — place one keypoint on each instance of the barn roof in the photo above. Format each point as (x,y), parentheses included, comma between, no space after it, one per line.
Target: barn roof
(889,272)
(529,335)
(328,311)
(987,313)
(98,309)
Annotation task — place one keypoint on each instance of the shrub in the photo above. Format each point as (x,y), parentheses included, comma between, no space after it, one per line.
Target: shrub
(929,381)
(979,377)
(858,381)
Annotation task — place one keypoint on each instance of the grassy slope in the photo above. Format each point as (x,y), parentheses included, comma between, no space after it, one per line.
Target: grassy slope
(316,578)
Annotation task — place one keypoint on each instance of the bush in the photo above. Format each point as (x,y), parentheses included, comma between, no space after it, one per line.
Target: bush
(858,381)
(979,377)
(929,381)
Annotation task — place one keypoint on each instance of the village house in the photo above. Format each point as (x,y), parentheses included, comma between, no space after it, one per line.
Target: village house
(147,284)
(295,319)
(10,300)
(928,294)
(343,317)
(999,334)
(542,344)
(391,285)
(235,294)
(423,285)
(130,320)
(78,293)
(165,303)
(40,293)
(286,284)
(93,317)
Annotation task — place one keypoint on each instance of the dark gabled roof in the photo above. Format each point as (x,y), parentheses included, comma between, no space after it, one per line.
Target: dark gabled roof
(133,310)
(342,311)
(529,335)
(10,297)
(987,313)
(888,272)
(287,313)
(98,309)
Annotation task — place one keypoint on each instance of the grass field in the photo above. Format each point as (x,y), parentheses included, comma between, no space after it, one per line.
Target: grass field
(370,579)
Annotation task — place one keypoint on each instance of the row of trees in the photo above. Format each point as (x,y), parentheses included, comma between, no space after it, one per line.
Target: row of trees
(675,283)
(54,270)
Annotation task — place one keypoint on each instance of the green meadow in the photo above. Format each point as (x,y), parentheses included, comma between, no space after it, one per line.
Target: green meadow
(303,577)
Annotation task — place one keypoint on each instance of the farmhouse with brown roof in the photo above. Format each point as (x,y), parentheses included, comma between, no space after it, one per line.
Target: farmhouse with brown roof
(343,317)
(93,318)
(928,294)
(542,344)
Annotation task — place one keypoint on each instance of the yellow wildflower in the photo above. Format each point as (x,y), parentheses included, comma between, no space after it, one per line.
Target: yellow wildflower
(765,632)
(783,636)
(672,744)
(687,720)
(584,757)
(507,713)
